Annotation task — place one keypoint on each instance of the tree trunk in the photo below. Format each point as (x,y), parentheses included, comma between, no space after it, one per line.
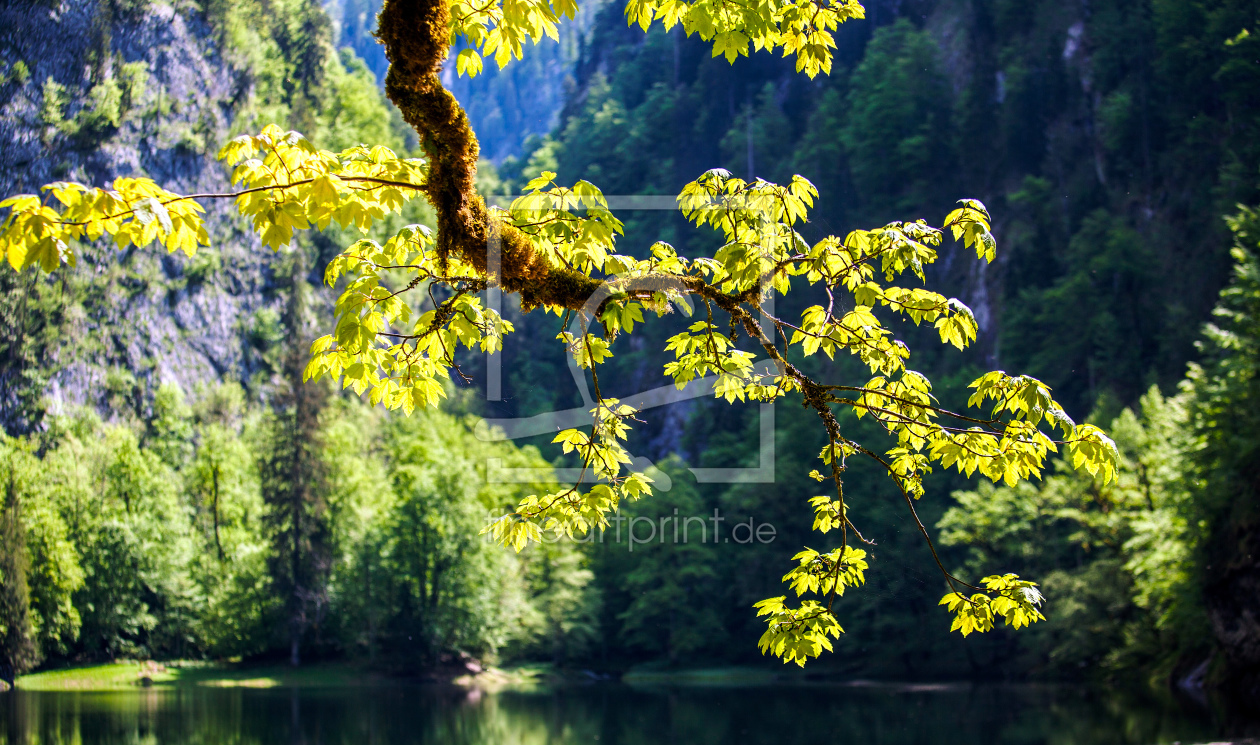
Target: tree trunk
(218,544)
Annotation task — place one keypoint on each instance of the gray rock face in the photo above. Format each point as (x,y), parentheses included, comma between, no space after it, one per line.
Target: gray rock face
(161,318)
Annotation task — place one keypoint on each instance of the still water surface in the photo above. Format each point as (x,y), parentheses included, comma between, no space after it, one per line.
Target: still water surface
(608,714)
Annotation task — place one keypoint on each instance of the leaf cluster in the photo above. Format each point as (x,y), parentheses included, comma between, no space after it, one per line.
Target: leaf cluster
(804,28)
(1014,601)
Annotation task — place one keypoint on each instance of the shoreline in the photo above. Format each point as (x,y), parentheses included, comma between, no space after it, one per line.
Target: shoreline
(134,675)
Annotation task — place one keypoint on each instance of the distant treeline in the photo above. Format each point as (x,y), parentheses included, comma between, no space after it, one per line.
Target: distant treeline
(315,526)
(1108,139)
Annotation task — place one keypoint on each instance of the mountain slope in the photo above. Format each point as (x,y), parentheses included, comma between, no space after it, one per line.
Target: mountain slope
(100,89)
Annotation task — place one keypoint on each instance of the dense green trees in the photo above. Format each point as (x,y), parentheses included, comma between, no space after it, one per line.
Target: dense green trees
(1112,178)
(564,262)
(658,620)
(1146,565)
(222,481)
(896,127)
(194,523)
(559,259)
(1077,128)
(129,553)
(440,586)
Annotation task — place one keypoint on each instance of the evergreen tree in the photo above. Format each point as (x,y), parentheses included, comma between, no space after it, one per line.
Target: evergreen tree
(1226,417)
(18,652)
(293,477)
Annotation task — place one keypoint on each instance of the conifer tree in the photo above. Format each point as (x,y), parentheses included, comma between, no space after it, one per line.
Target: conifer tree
(18,651)
(1225,416)
(293,477)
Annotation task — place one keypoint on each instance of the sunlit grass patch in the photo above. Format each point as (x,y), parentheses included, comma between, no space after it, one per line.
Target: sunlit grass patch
(122,674)
(132,675)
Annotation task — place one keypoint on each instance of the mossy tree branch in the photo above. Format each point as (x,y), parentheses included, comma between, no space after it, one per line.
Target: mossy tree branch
(416,36)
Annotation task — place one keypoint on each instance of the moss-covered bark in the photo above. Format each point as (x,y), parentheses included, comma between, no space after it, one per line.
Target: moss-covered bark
(416,38)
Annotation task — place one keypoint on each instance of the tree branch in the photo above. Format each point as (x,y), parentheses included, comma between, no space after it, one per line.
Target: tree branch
(416,36)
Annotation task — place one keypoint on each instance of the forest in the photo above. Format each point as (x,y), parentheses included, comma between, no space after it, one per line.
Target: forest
(174,488)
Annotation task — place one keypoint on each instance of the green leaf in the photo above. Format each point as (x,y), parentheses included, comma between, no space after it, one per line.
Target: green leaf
(468,62)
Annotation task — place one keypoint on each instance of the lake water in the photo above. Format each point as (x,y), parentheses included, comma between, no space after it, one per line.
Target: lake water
(609,714)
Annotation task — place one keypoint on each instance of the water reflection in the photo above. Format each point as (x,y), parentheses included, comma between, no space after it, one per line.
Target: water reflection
(604,714)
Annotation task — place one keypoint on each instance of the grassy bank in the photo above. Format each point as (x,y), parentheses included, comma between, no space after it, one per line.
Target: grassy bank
(123,675)
(134,675)
(130,675)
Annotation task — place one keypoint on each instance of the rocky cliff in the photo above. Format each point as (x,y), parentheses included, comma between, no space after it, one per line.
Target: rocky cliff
(98,89)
